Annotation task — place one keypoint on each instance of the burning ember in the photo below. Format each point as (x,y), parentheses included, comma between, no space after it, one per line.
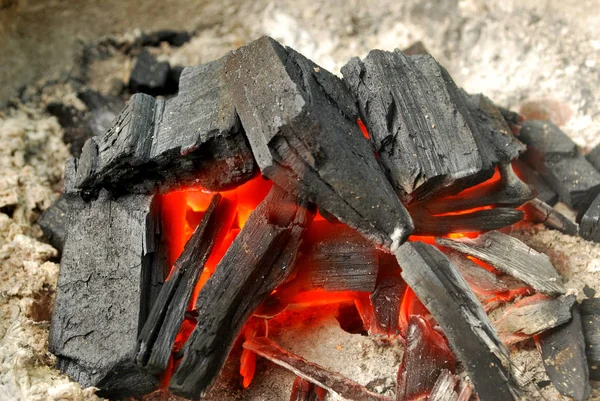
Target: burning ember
(381,193)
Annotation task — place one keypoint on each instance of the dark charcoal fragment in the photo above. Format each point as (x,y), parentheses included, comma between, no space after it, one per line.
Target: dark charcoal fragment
(590,318)
(478,221)
(531,177)
(563,353)
(53,222)
(512,257)
(105,288)
(594,157)
(482,282)
(425,357)
(445,294)
(158,334)
(416,48)
(538,211)
(260,259)
(170,36)
(449,387)
(589,226)
(194,138)
(149,75)
(330,381)
(431,138)
(103,109)
(555,157)
(301,123)
(533,315)
(303,390)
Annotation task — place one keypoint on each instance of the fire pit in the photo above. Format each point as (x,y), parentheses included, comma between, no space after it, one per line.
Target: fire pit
(267,184)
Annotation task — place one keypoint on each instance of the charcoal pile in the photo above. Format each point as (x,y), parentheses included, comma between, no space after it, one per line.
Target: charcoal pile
(268,184)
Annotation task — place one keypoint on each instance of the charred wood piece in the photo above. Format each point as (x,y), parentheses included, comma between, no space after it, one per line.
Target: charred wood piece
(555,157)
(106,285)
(513,119)
(589,225)
(260,259)
(416,48)
(538,211)
(447,296)
(170,36)
(330,381)
(430,136)
(303,390)
(158,334)
(380,310)
(478,221)
(590,317)
(533,315)
(563,354)
(150,76)
(482,282)
(510,191)
(449,387)
(512,257)
(301,122)
(53,222)
(425,357)
(531,177)
(194,137)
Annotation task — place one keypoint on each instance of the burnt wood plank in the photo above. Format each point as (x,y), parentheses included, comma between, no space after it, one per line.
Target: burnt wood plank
(158,334)
(104,292)
(482,282)
(330,381)
(194,137)
(447,296)
(53,222)
(589,225)
(260,259)
(563,353)
(531,177)
(301,122)
(555,157)
(590,317)
(422,125)
(512,257)
(538,211)
(478,221)
(533,315)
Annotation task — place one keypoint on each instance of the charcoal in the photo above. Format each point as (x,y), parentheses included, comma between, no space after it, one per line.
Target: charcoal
(170,36)
(193,138)
(416,48)
(594,157)
(477,221)
(589,291)
(303,390)
(533,315)
(106,285)
(330,381)
(531,177)
(512,257)
(589,225)
(158,334)
(149,75)
(538,211)
(509,191)
(431,138)
(425,357)
(302,126)
(336,258)
(444,292)
(53,222)
(380,311)
(555,157)
(260,259)
(103,109)
(563,353)
(513,119)
(449,387)
(481,281)
(590,317)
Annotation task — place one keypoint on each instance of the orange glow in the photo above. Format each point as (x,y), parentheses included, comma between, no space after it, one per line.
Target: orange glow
(363,128)
(411,305)
(255,327)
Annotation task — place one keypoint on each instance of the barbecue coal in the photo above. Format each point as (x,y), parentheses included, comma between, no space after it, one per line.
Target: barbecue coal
(54,222)
(304,390)
(589,226)
(590,317)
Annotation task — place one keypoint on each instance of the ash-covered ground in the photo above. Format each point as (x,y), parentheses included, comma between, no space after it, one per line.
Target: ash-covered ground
(512,51)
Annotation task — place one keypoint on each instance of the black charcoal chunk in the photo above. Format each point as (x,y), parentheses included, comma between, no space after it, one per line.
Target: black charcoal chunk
(149,75)
(53,222)
(563,354)
(531,177)
(426,131)
(301,122)
(193,138)
(590,318)
(261,258)
(538,211)
(555,157)
(170,36)
(512,257)
(589,226)
(105,289)
(477,221)
(447,296)
(103,109)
